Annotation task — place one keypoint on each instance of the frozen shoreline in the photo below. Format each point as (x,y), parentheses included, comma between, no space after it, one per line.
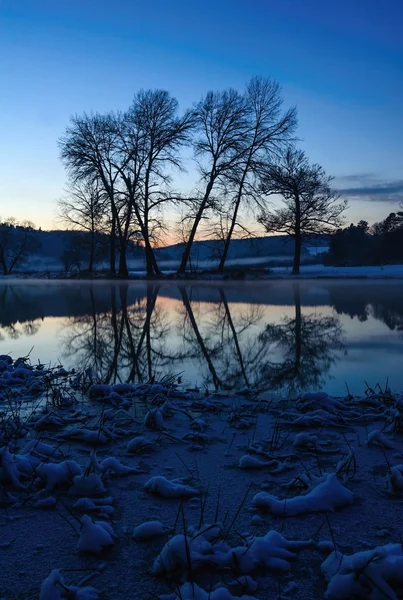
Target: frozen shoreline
(245,476)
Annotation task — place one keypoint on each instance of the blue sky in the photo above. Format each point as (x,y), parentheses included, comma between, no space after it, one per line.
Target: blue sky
(340,62)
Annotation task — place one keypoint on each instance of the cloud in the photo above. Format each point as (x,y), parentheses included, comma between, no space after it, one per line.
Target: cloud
(360,177)
(373,189)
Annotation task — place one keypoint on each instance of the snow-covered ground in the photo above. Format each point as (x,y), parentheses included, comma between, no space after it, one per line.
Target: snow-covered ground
(314,271)
(151,491)
(306,271)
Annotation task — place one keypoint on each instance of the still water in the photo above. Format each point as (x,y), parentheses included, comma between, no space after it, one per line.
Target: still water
(282,336)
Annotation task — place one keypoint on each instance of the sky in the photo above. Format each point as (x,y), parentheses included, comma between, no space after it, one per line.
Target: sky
(340,63)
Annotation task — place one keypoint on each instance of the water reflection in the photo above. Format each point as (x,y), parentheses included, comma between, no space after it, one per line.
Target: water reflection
(278,336)
(309,344)
(20,321)
(380,302)
(128,342)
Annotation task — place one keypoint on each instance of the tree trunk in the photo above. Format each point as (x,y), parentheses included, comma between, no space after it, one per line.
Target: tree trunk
(3,264)
(123,271)
(200,341)
(229,236)
(112,259)
(188,248)
(233,221)
(298,322)
(234,334)
(151,262)
(297,237)
(92,251)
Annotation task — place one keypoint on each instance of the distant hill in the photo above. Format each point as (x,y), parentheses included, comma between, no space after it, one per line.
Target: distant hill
(251,247)
(53,245)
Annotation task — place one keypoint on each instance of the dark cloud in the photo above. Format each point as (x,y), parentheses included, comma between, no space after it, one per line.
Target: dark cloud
(373,189)
(360,177)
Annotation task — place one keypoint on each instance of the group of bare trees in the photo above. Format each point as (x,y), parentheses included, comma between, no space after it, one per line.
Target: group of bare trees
(18,241)
(121,166)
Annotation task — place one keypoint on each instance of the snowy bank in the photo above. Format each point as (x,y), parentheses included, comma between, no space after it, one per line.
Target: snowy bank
(136,491)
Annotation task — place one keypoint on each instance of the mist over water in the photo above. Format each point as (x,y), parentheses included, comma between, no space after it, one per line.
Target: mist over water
(281,336)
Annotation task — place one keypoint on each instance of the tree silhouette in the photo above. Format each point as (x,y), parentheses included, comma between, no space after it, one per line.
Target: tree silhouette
(310,205)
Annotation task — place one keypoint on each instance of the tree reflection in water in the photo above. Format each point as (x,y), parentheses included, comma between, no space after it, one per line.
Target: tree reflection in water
(13,328)
(143,332)
(218,340)
(126,343)
(292,355)
(308,345)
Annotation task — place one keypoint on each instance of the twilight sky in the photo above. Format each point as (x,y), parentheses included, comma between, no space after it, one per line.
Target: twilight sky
(340,62)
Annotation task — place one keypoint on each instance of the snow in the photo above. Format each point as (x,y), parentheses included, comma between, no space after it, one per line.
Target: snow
(377,438)
(327,495)
(271,551)
(395,479)
(138,444)
(169,489)
(369,574)
(54,588)
(149,530)
(94,537)
(370,272)
(200,508)
(57,474)
(90,484)
(251,462)
(191,591)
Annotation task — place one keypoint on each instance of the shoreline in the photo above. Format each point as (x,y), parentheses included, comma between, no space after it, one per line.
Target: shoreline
(313,272)
(134,489)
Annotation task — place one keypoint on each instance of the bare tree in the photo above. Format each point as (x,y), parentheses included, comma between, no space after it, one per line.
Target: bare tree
(89,152)
(84,208)
(269,130)
(17,242)
(310,205)
(129,155)
(151,135)
(221,120)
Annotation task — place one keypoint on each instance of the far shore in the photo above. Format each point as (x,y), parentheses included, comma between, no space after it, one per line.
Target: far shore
(237,274)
